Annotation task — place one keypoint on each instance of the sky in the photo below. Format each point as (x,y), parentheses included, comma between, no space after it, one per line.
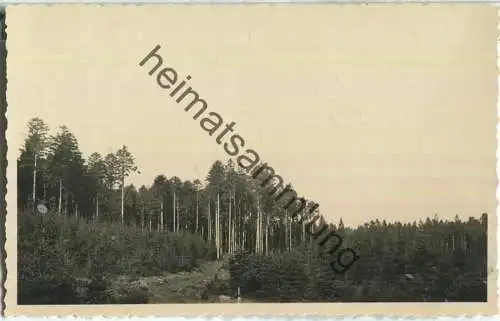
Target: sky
(373,112)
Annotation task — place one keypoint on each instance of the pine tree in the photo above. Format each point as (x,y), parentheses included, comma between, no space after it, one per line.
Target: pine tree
(126,166)
(34,150)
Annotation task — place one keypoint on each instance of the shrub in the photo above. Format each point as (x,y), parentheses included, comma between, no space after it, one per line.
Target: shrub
(55,251)
(45,267)
(278,277)
(299,275)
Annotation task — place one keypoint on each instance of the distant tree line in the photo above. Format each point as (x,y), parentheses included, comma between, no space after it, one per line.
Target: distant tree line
(433,260)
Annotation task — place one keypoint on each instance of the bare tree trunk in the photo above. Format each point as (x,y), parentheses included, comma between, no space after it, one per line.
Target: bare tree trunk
(261,233)
(178,217)
(286,229)
(174,213)
(161,215)
(66,204)
(44,191)
(197,211)
(235,220)
(239,230)
(217,226)
(303,231)
(34,182)
(267,234)
(123,196)
(257,237)
(60,196)
(229,238)
(150,223)
(76,210)
(142,218)
(257,232)
(209,225)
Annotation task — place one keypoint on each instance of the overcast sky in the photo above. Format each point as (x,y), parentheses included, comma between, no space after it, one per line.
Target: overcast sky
(376,112)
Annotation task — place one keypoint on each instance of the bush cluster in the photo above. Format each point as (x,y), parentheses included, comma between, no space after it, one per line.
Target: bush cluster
(55,253)
(301,275)
(383,275)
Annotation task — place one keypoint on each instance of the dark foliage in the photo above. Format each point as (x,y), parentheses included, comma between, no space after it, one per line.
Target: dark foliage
(433,261)
(68,261)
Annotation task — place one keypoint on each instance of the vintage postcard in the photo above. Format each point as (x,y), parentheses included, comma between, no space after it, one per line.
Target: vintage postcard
(243,160)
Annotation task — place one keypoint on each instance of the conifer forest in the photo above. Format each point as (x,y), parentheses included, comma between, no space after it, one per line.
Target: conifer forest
(86,235)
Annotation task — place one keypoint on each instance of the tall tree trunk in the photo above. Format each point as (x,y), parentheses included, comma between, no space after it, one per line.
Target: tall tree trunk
(217,226)
(235,220)
(97,206)
(241,223)
(123,195)
(161,215)
(174,213)
(142,218)
(178,216)
(66,204)
(257,224)
(34,182)
(209,225)
(267,234)
(286,230)
(44,191)
(76,210)
(262,232)
(303,231)
(60,196)
(229,238)
(197,211)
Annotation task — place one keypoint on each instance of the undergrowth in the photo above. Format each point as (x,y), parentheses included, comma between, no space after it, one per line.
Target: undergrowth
(57,254)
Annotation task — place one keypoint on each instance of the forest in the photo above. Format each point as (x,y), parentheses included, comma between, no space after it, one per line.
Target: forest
(223,235)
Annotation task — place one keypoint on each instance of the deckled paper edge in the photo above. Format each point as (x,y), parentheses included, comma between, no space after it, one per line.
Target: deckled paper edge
(3,157)
(281,317)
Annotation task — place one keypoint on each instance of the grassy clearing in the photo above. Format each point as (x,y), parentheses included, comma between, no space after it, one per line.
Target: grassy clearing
(203,284)
(185,287)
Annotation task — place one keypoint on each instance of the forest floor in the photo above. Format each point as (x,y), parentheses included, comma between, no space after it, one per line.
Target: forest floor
(206,283)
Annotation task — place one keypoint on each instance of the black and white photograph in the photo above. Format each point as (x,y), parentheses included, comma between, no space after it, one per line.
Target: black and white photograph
(176,155)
